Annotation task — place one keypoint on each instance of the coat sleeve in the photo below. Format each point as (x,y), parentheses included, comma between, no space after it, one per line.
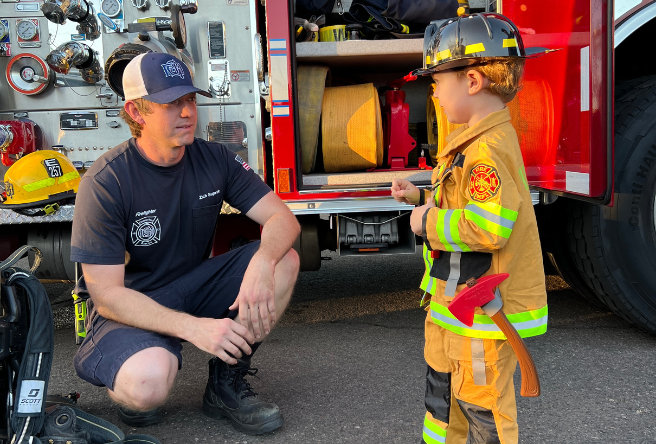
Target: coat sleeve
(492,206)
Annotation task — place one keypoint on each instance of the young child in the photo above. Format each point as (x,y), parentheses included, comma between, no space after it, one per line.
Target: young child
(478,220)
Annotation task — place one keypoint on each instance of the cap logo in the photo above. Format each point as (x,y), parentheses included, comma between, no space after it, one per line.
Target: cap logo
(173,69)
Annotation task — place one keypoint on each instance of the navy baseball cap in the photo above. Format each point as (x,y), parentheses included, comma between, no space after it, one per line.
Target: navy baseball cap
(159,78)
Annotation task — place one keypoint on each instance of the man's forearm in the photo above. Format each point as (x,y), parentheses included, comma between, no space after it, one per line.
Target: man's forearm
(278,236)
(135,309)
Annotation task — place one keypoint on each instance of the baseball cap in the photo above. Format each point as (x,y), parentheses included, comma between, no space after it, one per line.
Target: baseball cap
(158,77)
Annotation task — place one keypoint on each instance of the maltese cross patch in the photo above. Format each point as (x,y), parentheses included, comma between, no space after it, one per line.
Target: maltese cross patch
(484,182)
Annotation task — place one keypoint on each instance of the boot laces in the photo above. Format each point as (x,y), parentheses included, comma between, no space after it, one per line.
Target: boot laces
(240,384)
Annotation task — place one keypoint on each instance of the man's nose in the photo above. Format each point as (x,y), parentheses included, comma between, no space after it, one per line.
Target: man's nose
(189,110)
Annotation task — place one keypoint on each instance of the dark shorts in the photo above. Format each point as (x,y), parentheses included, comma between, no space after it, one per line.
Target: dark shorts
(206,291)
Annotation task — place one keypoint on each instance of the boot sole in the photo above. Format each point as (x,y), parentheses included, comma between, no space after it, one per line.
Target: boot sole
(217,412)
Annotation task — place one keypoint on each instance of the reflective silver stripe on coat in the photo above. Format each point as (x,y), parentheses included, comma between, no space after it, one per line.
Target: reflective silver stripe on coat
(490,216)
(487,327)
(454,275)
(478,361)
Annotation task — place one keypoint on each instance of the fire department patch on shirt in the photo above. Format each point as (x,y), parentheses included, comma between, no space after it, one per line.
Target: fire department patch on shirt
(484,182)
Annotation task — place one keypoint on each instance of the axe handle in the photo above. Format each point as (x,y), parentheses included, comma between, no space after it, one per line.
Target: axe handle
(530,380)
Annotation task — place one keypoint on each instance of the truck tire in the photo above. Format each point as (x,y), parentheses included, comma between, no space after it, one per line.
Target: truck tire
(555,242)
(615,247)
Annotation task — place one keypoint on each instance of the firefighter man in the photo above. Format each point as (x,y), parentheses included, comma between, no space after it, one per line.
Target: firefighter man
(144,220)
(477,221)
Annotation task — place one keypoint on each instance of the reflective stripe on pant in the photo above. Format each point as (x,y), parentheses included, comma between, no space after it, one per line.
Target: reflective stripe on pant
(458,408)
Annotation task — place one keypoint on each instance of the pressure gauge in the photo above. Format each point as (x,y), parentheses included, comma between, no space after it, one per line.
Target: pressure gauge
(111,8)
(163,3)
(26,29)
(3,30)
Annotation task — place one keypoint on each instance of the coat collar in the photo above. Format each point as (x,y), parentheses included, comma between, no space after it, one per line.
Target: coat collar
(460,136)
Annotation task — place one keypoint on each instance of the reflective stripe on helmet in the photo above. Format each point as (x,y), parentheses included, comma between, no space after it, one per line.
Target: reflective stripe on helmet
(528,323)
(69,176)
(477,47)
(49,182)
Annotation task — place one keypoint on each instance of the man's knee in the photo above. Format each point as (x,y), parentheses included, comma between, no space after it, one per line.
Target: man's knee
(288,268)
(144,381)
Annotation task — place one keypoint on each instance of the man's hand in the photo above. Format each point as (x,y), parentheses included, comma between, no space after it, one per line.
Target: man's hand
(256,298)
(220,337)
(404,191)
(417,215)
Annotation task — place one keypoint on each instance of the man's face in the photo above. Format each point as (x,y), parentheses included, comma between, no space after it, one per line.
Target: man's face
(171,124)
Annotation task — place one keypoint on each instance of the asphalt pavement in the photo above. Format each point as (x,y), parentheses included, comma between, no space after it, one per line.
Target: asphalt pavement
(346,365)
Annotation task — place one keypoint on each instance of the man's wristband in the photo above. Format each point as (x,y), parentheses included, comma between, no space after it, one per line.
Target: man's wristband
(422,197)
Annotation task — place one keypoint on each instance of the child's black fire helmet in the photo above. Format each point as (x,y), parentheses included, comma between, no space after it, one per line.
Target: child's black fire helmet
(472,40)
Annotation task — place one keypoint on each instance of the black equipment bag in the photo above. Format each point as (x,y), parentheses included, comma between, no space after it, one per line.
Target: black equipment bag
(378,16)
(26,348)
(27,342)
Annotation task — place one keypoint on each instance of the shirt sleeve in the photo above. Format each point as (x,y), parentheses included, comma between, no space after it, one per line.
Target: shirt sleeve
(99,231)
(486,221)
(244,188)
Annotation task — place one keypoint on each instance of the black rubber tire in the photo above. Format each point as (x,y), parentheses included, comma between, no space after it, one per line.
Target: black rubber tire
(615,247)
(307,244)
(555,240)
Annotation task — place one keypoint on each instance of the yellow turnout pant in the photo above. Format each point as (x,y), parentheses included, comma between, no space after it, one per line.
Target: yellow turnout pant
(469,389)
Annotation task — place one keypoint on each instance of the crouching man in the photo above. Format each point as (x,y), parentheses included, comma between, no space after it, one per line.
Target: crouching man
(144,220)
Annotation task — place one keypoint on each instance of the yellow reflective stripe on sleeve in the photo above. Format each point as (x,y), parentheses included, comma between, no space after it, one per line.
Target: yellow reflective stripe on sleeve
(69,176)
(39,184)
(439,228)
(529,323)
(476,47)
(522,174)
(492,218)
(433,433)
(509,43)
(428,283)
(451,232)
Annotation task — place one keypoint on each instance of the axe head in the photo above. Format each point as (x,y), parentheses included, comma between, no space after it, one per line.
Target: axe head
(463,305)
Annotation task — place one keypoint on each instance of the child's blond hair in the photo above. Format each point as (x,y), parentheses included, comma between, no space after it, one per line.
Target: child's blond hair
(504,76)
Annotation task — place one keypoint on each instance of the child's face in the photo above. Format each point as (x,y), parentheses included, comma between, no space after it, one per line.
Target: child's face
(452,90)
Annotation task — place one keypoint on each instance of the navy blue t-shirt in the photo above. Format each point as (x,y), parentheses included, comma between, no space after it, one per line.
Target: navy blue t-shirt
(162,217)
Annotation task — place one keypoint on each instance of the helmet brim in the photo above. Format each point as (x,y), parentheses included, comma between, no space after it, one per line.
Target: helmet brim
(531,53)
(59,197)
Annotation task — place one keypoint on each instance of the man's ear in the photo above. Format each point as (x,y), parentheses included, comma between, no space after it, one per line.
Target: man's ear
(475,81)
(133,112)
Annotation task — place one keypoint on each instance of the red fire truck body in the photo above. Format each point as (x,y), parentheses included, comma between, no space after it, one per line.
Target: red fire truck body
(586,121)
(566,130)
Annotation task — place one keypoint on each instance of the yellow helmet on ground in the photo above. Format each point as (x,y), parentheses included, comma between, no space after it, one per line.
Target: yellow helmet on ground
(39,181)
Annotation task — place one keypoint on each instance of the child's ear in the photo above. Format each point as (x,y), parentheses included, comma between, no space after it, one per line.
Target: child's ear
(475,81)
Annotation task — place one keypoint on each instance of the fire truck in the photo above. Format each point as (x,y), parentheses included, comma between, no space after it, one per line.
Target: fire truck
(329,122)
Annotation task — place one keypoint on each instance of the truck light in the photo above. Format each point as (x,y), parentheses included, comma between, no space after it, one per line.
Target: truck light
(17,138)
(284,180)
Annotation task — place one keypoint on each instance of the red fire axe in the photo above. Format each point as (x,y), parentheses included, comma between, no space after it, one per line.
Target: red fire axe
(481,294)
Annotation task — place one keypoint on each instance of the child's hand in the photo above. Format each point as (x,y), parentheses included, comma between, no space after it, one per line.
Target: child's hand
(404,191)
(417,216)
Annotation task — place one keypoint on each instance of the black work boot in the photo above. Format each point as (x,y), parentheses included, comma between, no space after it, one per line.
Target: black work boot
(135,418)
(229,395)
